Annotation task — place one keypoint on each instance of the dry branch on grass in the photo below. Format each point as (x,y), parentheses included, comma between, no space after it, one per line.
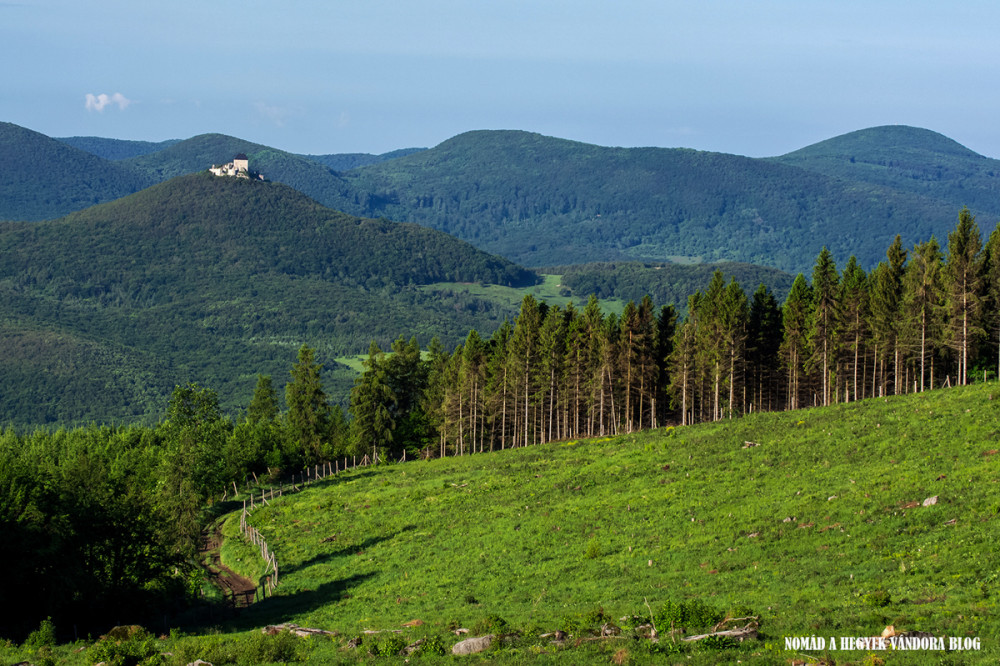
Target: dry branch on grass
(740,634)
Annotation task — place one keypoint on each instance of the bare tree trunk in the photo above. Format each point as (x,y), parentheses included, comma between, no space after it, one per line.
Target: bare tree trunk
(503,418)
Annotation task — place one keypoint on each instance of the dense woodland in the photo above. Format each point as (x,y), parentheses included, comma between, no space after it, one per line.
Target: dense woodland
(540,200)
(213,280)
(921,319)
(668,284)
(101,524)
(44,178)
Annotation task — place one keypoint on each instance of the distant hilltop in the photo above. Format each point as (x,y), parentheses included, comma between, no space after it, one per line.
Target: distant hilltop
(238,168)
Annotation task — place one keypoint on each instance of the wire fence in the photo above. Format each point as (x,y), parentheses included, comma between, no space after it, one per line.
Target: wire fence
(261,496)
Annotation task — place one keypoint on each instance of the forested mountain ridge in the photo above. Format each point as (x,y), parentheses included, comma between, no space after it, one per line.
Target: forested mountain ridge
(212,280)
(908,159)
(115,149)
(45,178)
(347,161)
(541,200)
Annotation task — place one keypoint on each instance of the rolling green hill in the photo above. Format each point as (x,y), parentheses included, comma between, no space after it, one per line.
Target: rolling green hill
(347,161)
(544,201)
(907,159)
(116,149)
(44,178)
(540,200)
(811,520)
(213,280)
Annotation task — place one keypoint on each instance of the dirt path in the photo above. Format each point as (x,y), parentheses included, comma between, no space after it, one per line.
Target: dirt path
(238,591)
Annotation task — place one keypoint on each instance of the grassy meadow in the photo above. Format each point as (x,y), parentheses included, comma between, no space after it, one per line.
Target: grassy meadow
(549,290)
(812,520)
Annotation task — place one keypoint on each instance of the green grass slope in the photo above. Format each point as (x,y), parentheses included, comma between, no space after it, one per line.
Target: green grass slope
(44,178)
(214,280)
(816,527)
(907,159)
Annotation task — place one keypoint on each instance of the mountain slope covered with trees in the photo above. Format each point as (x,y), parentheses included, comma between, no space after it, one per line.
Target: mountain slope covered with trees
(540,200)
(907,159)
(545,201)
(212,280)
(44,178)
(116,149)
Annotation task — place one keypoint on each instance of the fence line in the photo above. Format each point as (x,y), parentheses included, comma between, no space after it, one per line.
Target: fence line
(307,476)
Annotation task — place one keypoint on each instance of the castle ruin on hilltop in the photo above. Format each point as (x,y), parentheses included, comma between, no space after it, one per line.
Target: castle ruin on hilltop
(238,168)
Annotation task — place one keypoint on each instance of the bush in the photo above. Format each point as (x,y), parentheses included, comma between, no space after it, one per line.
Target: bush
(126,646)
(45,635)
(390,646)
(878,599)
(259,648)
(690,614)
(589,622)
(433,645)
(491,624)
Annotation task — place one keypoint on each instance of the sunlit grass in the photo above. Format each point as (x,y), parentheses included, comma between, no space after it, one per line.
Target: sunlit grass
(807,528)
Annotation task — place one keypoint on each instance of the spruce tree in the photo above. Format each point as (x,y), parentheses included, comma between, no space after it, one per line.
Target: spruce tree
(962,284)
(922,303)
(264,404)
(372,405)
(795,317)
(764,332)
(823,330)
(854,300)
(991,283)
(308,409)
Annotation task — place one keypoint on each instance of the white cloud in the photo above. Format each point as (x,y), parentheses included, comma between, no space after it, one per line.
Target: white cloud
(98,102)
(276,114)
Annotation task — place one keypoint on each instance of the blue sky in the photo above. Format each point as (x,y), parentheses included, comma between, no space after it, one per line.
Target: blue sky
(322,76)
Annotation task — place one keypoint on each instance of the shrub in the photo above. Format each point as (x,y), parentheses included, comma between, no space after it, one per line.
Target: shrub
(390,646)
(593,549)
(259,648)
(433,645)
(691,614)
(878,599)
(44,635)
(126,646)
(589,622)
(491,624)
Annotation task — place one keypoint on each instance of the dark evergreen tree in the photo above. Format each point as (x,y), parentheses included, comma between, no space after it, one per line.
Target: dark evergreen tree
(823,333)
(264,405)
(372,406)
(962,284)
(922,306)
(795,316)
(991,284)
(853,320)
(764,332)
(308,417)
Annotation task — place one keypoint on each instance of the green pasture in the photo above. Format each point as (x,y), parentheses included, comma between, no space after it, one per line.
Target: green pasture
(549,290)
(813,520)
